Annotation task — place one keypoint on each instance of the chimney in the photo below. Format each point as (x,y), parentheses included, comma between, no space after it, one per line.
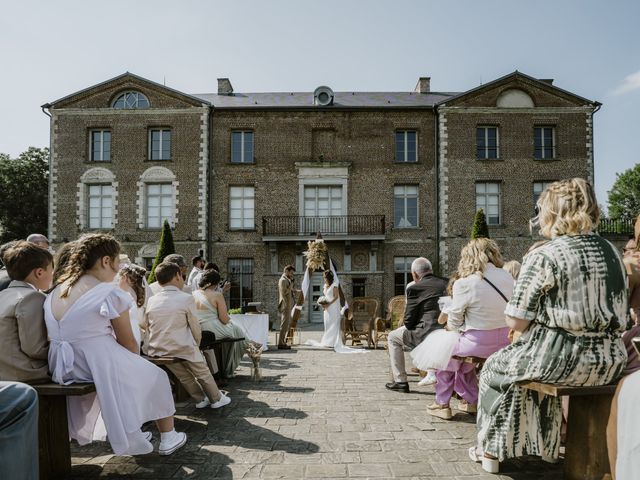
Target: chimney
(224,86)
(423,85)
(547,80)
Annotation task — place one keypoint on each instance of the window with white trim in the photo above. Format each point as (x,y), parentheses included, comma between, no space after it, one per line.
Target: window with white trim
(131,100)
(405,206)
(402,273)
(100,205)
(240,271)
(488,199)
(487,143)
(100,145)
(538,188)
(160,144)
(406,146)
(544,143)
(242,146)
(242,208)
(160,207)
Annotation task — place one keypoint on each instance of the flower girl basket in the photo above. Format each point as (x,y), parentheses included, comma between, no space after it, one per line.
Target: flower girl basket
(435,351)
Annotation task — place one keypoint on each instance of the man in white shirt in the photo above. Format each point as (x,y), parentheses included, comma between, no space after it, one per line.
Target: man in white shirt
(198,267)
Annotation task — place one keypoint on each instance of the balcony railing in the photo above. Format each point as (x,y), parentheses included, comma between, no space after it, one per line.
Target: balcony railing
(336,225)
(609,226)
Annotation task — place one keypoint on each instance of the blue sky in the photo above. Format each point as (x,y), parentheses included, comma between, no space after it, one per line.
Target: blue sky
(49,49)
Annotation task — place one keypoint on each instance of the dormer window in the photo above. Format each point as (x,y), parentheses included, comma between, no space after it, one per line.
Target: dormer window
(131,100)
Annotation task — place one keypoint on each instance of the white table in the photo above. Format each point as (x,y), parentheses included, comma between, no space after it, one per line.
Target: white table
(256,325)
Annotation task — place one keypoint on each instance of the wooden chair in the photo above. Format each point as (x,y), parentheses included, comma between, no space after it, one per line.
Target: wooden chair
(395,316)
(360,323)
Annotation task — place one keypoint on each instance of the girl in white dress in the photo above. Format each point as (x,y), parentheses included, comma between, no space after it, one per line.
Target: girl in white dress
(87,317)
(332,337)
(131,280)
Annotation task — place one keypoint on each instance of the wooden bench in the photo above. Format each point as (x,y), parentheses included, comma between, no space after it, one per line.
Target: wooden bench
(179,391)
(586,444)
(221,349)
(53,427)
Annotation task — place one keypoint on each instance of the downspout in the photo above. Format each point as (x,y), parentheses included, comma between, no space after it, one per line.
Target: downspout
(209,183)
(598,105)
(49,162)
(437,171)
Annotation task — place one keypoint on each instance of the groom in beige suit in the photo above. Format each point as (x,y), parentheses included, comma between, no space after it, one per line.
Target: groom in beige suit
(285,304)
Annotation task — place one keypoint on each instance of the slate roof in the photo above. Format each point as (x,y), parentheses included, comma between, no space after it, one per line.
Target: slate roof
(341,99)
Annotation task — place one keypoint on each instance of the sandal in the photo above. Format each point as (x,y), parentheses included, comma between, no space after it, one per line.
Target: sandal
(490,465)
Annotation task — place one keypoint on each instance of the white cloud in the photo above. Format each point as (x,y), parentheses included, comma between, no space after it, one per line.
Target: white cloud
(631,82)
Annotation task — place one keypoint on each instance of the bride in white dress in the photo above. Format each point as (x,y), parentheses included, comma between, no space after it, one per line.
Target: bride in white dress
(332,337)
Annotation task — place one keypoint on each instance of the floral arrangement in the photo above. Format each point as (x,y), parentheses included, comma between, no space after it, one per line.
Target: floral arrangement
(323,301)
(316,254)
(254,350)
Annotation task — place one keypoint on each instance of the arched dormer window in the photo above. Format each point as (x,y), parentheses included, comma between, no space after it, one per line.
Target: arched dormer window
(515,98)
(131,100)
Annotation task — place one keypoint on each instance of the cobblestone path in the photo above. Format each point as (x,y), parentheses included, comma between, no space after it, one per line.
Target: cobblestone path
(315,414)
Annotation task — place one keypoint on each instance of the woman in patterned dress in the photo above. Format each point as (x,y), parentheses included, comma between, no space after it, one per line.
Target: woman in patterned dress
(570,301)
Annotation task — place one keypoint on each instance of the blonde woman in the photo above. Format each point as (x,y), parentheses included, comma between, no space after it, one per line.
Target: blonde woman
(571,301)
(513,267)
(478,299)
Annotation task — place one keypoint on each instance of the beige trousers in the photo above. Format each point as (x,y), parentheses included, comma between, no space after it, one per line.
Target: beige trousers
(395,345)
(285,324)
(196,377)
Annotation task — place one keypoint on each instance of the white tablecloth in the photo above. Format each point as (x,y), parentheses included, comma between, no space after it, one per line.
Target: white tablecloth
(256,325)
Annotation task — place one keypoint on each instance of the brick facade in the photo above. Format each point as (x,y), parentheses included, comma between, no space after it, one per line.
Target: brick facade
(296,145)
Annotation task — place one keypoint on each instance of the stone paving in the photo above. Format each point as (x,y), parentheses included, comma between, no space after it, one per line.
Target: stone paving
(315,414)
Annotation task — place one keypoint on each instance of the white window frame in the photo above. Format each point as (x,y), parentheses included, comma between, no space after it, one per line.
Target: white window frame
(155,175)
(102,196)
(95,176)
(405,196)
(543,146)
(239,193)
(243,133)
(162,153)
(544,184)
(161,195)
(407,261)
(405,153)
(486,142)
(101,141)
(486,201)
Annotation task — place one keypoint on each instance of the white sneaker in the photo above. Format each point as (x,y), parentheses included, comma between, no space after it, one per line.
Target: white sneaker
(174,441)
(224,400)
(204,403)
(147,436)
(429,379)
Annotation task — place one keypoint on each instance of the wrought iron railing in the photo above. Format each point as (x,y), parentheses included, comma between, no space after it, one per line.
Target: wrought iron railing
(334,225)
(610,226)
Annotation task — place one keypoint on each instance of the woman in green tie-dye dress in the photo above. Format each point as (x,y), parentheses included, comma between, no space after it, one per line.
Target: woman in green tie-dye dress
(571,302)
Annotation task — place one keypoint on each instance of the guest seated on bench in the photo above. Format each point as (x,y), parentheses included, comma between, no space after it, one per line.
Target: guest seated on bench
(571,301)
(131,280)
(212,313)
(477,309)
(23,335)
(173,330)
(82,314)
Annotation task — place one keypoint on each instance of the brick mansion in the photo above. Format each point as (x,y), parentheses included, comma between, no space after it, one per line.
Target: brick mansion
(249,178)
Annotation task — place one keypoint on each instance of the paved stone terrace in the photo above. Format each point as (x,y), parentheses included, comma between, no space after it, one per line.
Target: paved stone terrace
(315,414)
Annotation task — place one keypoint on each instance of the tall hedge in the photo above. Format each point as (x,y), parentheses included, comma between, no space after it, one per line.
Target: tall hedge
(480,228)
(166,248)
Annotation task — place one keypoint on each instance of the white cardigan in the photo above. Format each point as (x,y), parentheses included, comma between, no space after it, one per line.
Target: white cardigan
(476,305)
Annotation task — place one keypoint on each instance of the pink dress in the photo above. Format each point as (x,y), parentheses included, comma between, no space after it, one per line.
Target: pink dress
(129,390)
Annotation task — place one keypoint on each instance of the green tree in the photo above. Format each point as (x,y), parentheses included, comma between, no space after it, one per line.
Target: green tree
(624,197)
(25,194)
(166,248)
(480,228)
